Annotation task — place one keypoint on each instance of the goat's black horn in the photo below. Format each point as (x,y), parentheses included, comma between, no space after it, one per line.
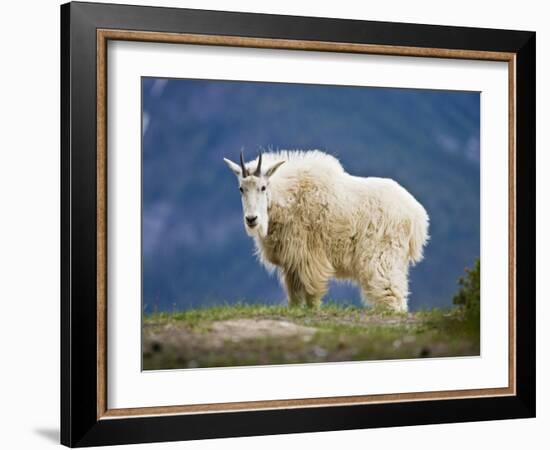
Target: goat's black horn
(258,171)
(243,168)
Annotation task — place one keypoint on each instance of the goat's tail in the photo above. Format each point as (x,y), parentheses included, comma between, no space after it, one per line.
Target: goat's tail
(418,236)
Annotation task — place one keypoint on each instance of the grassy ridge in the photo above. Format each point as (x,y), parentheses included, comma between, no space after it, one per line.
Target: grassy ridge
(236,335)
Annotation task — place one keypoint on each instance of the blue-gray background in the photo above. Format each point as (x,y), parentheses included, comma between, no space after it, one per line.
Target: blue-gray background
(195,250)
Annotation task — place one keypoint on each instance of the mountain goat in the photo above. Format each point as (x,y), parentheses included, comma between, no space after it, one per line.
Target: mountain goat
(313,221)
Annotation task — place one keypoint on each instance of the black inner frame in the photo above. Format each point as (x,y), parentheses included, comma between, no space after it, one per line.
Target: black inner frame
(79,424)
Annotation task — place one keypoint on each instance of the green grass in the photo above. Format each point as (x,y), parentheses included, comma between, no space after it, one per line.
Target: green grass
(200,316)
(334,333)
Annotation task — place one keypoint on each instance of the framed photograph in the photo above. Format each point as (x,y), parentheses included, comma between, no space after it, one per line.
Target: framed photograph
(276,224)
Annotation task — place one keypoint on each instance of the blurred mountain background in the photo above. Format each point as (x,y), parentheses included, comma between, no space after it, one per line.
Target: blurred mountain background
(195,250)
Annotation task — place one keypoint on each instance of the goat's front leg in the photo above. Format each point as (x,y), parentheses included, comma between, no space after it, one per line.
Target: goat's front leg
(294,289)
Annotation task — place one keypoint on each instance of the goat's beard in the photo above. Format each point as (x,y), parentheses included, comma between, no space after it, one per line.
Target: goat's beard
(259,230)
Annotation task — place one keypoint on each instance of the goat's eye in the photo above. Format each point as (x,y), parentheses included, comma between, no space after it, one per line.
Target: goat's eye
(241,189)
(263,188)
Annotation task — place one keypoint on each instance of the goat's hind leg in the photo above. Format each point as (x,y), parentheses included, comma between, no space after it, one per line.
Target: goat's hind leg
(385,285)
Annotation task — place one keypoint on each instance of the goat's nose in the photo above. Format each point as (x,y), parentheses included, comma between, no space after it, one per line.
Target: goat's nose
(251,219)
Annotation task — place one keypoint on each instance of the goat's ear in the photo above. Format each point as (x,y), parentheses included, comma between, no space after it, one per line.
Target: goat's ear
(235,168)
(274,168)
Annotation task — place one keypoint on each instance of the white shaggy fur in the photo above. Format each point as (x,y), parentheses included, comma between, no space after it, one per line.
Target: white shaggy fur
(314,222)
